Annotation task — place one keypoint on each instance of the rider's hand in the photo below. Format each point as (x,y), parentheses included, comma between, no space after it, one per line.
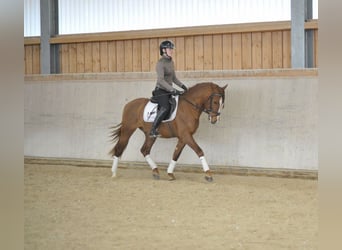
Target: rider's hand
(176,92)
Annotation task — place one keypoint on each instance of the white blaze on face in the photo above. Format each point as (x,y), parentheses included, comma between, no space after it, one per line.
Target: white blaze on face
(220,108)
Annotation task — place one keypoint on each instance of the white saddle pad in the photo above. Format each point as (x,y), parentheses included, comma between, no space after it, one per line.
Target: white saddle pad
(150,111)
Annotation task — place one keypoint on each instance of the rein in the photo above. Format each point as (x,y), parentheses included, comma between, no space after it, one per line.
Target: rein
(202,109)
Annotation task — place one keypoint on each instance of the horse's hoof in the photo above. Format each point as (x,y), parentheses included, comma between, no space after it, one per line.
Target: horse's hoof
(171,177)
(113,175)
(155,174)
(208,178)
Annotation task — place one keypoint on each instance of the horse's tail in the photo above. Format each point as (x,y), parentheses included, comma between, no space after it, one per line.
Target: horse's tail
(115,135)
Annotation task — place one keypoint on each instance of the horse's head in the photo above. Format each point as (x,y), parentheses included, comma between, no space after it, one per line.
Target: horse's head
(215,103)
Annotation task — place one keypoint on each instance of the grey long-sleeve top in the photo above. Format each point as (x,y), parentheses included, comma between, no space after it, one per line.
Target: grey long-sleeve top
(166,74)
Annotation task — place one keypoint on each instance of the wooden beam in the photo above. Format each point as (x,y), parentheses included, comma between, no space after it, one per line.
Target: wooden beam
(189,31)
(32,40)
(176,32)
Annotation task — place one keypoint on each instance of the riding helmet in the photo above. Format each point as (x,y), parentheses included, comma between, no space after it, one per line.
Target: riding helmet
(166,44)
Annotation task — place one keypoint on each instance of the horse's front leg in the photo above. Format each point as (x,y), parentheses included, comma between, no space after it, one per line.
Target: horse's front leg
(193,144)
(145,150)
(176,154)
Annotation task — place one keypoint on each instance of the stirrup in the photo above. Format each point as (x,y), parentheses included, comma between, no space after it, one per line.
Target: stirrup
(154,134)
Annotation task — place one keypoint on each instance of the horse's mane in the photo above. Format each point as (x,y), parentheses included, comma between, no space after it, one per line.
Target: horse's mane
(198,88)
(201,85)
(204,85)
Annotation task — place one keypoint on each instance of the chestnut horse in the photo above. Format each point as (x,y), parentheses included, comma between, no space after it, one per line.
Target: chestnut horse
(205,97)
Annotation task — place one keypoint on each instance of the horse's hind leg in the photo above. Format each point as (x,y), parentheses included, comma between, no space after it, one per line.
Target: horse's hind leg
(145,150)
(172,164)
(125,134)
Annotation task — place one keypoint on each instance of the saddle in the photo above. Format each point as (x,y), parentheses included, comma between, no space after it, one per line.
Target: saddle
(151,109)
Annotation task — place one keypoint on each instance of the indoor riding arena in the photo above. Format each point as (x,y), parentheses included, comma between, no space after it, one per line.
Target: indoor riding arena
(263,151)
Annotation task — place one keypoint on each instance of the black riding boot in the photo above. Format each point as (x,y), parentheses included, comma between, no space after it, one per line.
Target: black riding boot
(162,112)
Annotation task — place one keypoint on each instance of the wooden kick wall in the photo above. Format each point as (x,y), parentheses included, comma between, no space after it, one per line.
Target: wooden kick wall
(221,47)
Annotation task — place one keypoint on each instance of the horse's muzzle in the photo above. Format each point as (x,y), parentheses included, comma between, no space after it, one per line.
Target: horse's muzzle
(213,119)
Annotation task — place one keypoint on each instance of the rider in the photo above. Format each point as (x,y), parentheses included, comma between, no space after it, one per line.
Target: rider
(164,87)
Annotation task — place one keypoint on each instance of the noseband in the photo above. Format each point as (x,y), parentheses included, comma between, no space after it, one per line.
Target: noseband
(210,110)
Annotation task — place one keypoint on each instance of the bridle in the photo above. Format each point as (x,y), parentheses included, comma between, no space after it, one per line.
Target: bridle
(210,110)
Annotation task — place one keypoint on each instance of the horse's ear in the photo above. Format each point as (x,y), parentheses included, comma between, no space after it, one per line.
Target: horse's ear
(225,86)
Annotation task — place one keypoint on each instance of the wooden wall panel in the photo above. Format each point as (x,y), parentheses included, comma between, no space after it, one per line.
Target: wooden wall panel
(112,56)
(120,56)
(227,54)
(246,54)
(236,42)
(154,53)
(189,48)
(208,52)
(199,52)
(32,59)
(217,52)
(136,57)
(266,50)
(180,51)
(104,62)
(277,49)
(73,58)
(80,57)
(28,60)
(286,49)
(256,50)
(88,57)
(36,59)
(95,57)
(128,44)
(260,46)
(64,58)
(145,55)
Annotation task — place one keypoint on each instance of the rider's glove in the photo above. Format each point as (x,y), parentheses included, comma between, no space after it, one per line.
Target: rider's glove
(176,92)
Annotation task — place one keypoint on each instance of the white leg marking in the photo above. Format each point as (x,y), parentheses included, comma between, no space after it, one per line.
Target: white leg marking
(171,167)
(115,166)
(204,164)
(152,164)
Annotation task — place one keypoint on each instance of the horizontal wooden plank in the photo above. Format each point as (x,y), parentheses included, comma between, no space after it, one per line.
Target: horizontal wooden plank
(31,40)
(311,24)
(176,32)
(188,31)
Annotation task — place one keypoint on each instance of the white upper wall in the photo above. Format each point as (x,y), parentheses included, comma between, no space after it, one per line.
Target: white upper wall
(91,16)
(31,18)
